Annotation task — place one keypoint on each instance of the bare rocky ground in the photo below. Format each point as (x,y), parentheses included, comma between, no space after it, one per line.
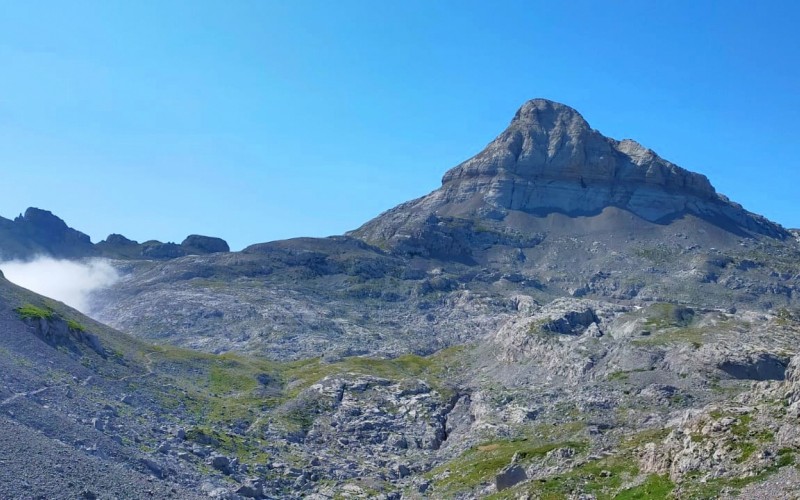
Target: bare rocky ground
(569,316)
(573,396)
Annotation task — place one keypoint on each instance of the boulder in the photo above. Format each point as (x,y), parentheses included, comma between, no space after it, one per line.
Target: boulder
(510,476)
(221,463)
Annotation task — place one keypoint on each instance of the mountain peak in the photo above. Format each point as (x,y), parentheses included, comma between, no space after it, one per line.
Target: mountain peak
(547,141)
(549,160)
(546,115)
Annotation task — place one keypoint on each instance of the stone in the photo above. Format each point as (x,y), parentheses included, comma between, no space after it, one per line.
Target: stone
(119,240)
(98,424)
(221,463)
(401,470)
(154,467)
(252,488)
(510,476)
(163,251)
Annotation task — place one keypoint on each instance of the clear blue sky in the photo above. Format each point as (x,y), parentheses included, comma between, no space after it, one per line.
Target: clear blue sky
(263,120)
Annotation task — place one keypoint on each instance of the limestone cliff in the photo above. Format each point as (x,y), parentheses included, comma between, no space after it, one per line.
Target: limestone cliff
(550,161)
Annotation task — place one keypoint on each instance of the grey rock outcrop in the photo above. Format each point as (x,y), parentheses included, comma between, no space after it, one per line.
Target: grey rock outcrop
(58,332)
(39,232)
(118,239)
(510,476)
(163,251)
(550,161)
(195,243)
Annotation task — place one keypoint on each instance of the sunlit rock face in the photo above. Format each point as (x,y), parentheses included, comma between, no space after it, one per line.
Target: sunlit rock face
(549,160)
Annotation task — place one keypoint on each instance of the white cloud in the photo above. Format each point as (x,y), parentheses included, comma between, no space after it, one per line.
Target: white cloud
(69,281)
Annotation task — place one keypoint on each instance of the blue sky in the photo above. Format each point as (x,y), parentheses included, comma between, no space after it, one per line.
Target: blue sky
(263,120)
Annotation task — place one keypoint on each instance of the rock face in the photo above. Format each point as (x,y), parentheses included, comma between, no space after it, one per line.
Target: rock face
(510,476)
(39,232)
(550,161)
(196,243)
(120,247)
(551,208)
(752,436)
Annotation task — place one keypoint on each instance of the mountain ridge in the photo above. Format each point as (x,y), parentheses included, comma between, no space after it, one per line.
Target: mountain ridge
(39,232)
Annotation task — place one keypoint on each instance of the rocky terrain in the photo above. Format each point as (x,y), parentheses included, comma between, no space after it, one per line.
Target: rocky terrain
(568,316)
(456,261)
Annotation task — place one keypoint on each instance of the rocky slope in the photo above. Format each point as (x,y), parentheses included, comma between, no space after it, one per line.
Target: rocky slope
(568,316)
(566,398)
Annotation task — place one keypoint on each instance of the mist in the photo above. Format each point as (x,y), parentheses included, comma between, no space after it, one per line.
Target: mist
(68,281)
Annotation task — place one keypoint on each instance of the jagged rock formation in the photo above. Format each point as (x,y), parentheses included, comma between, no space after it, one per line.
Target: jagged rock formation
(739,442)
(40,233)
(120,247)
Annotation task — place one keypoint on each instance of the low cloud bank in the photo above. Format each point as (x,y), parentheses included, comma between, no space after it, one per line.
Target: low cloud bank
(68,281)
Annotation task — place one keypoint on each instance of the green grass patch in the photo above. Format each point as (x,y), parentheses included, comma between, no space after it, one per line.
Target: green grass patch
(30,311)
(655,487)
(247,449)
(602,478)
(742,427)
(657,255)
(625,374)
(75,326)
(690,335)
(746,450)
(618,375)
(481,463)
(664,315)
(644,437)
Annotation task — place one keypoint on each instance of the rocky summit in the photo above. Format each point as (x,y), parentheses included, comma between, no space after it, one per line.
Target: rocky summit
(568,316)
(550,161)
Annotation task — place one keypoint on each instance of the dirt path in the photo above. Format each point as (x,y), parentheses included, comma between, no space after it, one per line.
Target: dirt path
(148,365)
(31,393)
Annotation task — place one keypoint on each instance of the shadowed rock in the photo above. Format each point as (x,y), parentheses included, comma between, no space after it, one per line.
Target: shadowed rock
(195,243)
(510,476)
(760,366)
